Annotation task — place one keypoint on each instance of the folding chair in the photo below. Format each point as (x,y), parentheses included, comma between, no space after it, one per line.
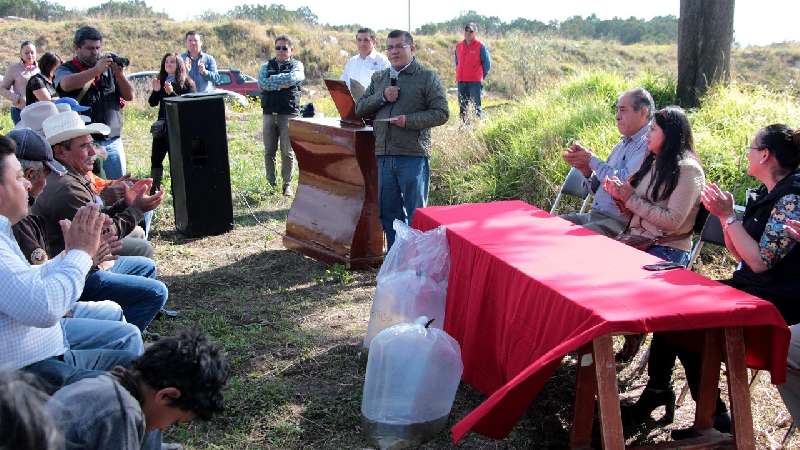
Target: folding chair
(573,186)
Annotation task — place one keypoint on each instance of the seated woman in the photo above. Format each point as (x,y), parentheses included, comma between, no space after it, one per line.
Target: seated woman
(770,262)
(663,196)
(40,86)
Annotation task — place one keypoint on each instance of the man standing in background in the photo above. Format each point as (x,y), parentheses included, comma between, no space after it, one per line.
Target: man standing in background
(280,79)
(368,61)
(202,67)
(472,66)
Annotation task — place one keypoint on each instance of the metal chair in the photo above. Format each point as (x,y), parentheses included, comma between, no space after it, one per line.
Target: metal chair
(573,186)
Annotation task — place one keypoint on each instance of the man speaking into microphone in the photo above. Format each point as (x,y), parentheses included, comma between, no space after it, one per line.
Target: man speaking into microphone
(407,100)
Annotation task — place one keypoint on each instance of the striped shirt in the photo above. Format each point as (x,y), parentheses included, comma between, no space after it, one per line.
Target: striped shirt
(33,300)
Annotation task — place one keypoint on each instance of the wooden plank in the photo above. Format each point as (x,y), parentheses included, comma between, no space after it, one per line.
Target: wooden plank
(709,380)
(714,440)
(738,388)
(585,391)
(608,395)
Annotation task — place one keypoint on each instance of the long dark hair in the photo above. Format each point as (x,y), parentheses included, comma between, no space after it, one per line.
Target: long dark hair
(182,80)
(678,142)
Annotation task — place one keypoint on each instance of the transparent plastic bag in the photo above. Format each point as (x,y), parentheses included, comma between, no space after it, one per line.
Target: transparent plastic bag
(413,371)
(412,281)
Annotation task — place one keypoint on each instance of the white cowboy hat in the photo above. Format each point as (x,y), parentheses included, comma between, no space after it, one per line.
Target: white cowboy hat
(34,114)
(67,125)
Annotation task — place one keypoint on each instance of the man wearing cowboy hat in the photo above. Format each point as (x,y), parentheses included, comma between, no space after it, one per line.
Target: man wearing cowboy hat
(131,280)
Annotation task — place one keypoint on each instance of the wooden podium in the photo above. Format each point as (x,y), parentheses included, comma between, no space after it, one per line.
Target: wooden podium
(334,216)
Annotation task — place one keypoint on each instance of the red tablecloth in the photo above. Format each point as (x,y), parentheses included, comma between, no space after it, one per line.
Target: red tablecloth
(526,288)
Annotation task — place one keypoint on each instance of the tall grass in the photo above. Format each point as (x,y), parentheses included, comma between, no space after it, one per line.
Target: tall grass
(517,153)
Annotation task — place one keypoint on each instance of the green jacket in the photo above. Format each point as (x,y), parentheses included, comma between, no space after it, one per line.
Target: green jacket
(423,101)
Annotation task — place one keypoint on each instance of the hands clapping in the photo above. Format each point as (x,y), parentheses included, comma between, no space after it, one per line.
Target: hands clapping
(718,202)
(84,230)
(578,157)
(138,195)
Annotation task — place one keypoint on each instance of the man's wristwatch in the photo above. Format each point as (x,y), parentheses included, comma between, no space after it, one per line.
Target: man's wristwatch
(730,220)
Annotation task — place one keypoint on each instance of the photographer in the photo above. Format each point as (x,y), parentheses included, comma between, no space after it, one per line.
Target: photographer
(97,80)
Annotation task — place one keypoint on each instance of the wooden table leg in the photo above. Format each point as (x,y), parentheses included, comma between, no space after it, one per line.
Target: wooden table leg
(709,381)
(738,388)
(585,390)
(608,394)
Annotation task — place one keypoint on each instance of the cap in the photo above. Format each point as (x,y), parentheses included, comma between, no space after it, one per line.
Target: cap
(73,104)
(471,26)
(32,147)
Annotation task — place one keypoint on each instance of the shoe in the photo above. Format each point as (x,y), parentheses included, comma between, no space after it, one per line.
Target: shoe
(287,191)
(150,336)
(722,423)
(171,446)
(639,412)
(166,314)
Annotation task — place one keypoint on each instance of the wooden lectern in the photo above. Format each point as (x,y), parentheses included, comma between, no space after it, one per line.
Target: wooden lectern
(334,216)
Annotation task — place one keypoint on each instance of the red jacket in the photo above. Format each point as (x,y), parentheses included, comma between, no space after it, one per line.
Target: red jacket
(468,58)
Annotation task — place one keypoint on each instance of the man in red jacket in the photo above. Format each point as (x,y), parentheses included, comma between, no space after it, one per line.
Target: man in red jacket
(472,66)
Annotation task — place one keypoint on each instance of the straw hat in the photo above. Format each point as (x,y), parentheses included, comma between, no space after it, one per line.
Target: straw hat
(67,125)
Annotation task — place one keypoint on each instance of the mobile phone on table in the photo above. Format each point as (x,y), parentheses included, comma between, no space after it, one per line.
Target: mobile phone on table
(666,265)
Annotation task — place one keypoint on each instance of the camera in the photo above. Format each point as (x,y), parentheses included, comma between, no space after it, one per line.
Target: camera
(120,60)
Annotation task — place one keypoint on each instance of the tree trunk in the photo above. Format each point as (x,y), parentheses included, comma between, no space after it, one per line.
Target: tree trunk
(705,36)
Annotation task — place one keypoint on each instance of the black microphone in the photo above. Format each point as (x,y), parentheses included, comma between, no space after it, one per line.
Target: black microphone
(392,81)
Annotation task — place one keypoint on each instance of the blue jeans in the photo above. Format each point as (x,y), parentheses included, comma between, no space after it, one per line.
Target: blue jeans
(131,283)
(469,92)
(101,325)
(75,365)
(15,115)
(670,254)
(114,165)
(403,187)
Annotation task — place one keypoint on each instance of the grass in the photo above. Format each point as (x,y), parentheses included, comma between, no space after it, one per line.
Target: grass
(293,327)
(521,63)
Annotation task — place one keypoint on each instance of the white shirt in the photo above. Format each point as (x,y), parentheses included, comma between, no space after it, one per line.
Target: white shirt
(33,300)
(361,69)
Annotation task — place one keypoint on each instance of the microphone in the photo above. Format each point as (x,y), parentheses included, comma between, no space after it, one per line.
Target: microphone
(393,81)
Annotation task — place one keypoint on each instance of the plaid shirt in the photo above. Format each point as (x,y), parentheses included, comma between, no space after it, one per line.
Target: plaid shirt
(33,300)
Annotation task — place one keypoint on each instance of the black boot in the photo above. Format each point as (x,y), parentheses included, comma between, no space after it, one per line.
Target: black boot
(639,412)
(157,174)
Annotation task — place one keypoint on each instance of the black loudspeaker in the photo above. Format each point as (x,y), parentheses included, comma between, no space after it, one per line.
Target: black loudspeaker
(198,165)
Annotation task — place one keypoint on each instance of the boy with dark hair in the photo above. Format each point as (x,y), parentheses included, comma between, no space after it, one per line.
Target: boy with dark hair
(25,425)
(177,379)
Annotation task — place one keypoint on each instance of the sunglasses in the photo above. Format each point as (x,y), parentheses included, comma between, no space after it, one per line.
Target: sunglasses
(281,47)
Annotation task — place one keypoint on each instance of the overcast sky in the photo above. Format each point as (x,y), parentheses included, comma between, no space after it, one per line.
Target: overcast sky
(757,22)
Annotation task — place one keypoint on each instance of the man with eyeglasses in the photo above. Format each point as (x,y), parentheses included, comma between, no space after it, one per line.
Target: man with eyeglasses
(280,79)
(130,280)
(407,100)
(472,66)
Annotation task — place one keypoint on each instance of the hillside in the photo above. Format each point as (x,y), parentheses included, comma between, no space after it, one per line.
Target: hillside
(522,63)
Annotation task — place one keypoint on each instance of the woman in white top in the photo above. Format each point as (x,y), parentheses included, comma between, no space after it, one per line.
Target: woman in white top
(13,85)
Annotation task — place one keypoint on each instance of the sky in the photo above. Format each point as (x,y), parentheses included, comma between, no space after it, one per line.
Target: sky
(756,22)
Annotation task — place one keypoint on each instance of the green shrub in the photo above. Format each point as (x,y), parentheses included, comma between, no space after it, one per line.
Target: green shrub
(518,153)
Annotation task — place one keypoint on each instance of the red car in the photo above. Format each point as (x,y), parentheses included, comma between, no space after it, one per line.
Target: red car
(236,81)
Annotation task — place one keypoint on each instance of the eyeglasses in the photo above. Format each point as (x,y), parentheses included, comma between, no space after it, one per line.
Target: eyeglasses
(467,30)
(397,47)
(281,48)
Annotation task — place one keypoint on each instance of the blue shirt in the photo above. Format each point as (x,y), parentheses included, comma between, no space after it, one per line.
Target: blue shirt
(624,161)
(203,83)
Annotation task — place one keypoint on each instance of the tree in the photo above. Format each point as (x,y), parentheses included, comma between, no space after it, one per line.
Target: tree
(705,36)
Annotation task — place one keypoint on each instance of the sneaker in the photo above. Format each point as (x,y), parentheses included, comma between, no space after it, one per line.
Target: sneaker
(171,446)
(150,336)
(287,191)
(166,314)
